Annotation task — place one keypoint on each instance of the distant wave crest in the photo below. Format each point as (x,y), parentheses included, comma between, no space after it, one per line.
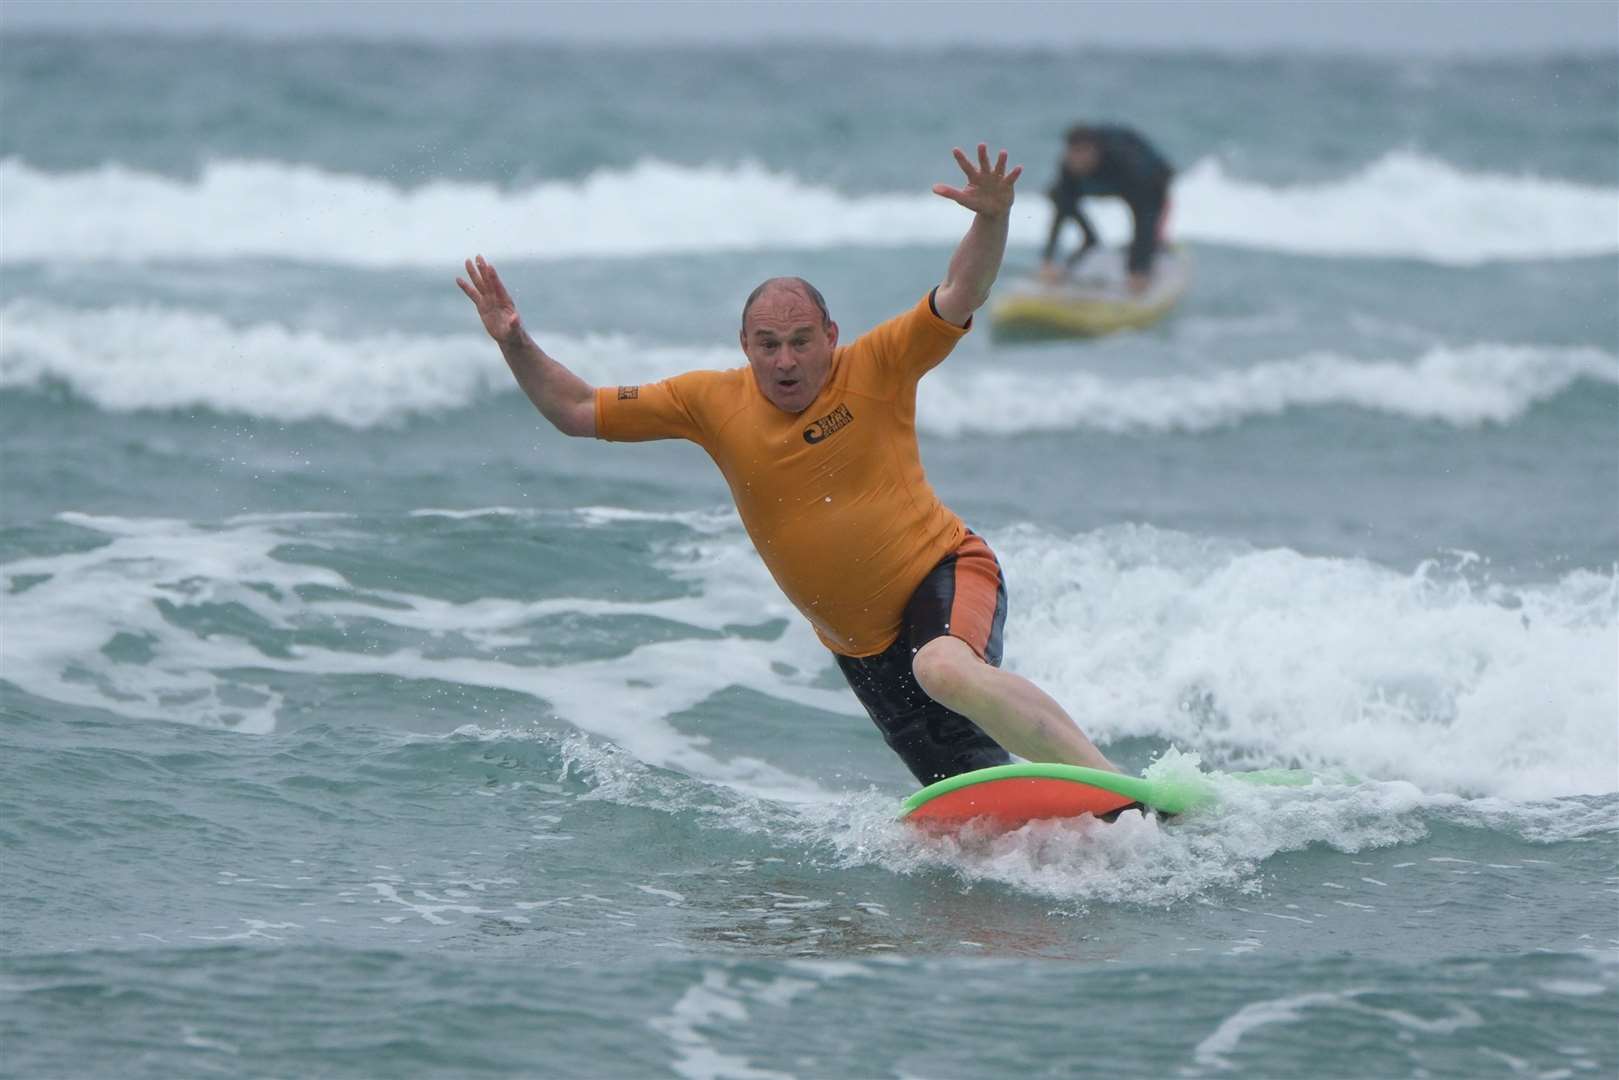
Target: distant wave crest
(134,358)
(1404,205)
(1464,387)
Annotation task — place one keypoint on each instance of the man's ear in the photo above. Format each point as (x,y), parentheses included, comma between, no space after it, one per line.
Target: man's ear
(832,333)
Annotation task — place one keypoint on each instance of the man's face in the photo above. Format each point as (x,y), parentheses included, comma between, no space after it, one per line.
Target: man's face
(788,347)
(1081,158)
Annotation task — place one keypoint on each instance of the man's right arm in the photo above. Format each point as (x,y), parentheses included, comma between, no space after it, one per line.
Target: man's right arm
(1091,239)
(1065,198)
(561,396)
(1057,218)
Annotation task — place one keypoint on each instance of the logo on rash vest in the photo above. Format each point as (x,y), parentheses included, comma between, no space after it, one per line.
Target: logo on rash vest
(833,422)
(625,393)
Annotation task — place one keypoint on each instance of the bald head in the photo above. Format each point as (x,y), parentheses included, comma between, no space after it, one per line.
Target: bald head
(792,286)
(789,340)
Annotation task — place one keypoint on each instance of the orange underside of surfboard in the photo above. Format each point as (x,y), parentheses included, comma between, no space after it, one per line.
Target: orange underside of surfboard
(1015,801)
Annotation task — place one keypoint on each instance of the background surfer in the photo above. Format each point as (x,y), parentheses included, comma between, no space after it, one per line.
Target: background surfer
(818,445)
(1117,161)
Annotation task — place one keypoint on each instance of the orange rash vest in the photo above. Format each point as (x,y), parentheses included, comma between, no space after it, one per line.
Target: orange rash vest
(834,497)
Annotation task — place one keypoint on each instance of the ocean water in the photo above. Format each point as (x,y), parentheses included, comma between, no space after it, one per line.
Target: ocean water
(354,723)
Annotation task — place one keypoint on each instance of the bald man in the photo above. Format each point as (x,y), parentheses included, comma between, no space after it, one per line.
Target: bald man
(818,444)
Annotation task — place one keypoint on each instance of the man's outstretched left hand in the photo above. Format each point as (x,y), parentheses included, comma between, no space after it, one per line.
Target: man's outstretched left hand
(989,187)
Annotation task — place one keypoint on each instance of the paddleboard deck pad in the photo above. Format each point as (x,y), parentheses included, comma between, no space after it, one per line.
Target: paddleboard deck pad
(1010,796)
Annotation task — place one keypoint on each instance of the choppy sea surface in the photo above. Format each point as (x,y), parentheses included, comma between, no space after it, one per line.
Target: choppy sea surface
(354,723)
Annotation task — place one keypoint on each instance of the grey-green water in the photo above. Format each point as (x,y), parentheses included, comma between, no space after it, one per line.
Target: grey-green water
(353,723)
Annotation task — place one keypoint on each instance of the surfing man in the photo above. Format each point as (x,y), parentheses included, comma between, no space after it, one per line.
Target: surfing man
(1110,161)
(818,444)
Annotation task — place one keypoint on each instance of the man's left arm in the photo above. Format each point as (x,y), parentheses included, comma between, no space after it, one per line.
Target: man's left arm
(988,194)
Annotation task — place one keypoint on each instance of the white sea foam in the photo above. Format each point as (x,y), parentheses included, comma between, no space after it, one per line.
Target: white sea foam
(1135,858)
(128,359)
(100,637)
(1301,1009)
(700,1009)
(1438,680)
(133,358)
(1275,658)
(1463,386)
(1405,204)
(1140,859)
(1419,697)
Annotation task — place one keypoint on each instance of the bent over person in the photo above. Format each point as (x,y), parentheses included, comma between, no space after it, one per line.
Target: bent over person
(1109,160)
(818,444)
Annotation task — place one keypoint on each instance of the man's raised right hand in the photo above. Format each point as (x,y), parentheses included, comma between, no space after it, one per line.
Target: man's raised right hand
(495,307)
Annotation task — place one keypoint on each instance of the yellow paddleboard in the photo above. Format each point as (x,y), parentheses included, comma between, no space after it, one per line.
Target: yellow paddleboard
(1092,303)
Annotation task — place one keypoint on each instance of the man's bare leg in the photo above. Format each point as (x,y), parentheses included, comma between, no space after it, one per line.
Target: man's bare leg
(1011,709)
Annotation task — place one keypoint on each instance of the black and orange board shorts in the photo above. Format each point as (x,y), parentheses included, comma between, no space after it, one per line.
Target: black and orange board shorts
(962,597)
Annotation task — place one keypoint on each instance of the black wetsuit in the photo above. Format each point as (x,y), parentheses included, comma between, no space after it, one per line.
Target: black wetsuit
(1132,170)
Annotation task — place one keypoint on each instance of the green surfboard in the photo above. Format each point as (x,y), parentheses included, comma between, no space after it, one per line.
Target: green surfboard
(1012,795)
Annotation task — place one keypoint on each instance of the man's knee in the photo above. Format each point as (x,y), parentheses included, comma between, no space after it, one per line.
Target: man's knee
(946,668)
